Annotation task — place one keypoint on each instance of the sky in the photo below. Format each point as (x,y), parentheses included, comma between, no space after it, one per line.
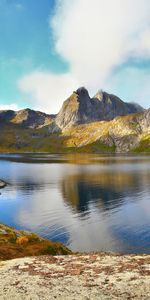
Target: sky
(49,48)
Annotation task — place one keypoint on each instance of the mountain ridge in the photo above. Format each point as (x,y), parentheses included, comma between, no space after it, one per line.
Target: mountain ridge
(80,108)
(121,135)
(76,129)
(26,117)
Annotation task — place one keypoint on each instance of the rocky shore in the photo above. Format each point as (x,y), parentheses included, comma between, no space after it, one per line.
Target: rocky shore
(34,268)
(83,276)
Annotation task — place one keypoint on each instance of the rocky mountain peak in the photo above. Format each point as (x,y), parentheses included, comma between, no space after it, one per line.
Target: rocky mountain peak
(82,92)
(79,108)
(99,95)
(26,118)
(32,119)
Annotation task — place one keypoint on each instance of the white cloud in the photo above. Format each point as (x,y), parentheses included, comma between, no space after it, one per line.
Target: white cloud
(94,36)
(47,91)
(144,44)
(12,106)
(133,83)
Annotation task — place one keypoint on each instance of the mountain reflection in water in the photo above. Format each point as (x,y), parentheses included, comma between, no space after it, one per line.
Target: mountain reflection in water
(89,202)
(106,190)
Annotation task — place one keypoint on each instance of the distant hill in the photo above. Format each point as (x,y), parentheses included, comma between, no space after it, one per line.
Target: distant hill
(26,118)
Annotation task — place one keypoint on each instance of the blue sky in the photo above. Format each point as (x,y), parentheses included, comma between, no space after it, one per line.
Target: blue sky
(26,45)
(49,47)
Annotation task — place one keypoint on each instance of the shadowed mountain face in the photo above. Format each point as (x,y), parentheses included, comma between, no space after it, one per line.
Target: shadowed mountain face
(6,116)
(79,108)
(27,118)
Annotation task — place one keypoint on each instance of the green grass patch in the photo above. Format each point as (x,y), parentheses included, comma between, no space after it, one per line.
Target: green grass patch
(144,145)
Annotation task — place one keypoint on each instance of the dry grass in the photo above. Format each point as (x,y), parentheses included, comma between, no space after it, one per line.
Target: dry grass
(96,137)
(15,244)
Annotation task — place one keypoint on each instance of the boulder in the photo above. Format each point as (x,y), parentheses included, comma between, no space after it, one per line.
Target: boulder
(2,184)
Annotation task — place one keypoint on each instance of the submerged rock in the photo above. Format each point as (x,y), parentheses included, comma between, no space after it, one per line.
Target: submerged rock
(2,184)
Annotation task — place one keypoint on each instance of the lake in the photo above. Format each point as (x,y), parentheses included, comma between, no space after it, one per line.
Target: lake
(88,202)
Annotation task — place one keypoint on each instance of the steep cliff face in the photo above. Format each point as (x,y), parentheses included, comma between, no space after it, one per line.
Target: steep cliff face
(144,121)
(79,108)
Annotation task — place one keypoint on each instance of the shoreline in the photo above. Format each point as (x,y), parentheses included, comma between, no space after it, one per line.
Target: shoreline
(74,152)
(61,274)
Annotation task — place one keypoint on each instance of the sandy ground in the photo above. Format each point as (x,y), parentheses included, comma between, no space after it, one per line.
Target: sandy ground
(71,277)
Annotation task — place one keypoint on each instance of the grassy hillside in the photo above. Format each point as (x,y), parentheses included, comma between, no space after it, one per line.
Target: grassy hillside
(17,243)
(123,134)
(16,139)
(144,145)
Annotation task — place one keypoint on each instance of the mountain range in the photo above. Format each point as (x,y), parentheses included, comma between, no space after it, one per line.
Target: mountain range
(103,123)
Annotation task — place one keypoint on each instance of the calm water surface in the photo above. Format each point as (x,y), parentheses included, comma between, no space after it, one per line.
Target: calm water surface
(89,202)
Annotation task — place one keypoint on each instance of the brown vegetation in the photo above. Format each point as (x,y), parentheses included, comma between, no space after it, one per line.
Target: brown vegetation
(15,243)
